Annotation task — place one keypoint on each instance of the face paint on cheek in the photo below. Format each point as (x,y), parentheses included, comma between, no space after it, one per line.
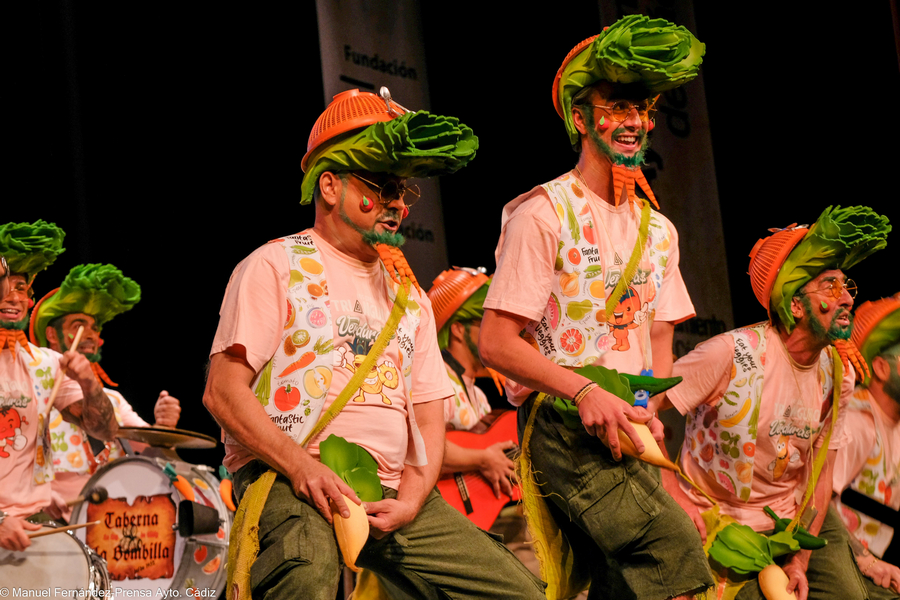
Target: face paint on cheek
(366,205)
(405,212)
(824,306)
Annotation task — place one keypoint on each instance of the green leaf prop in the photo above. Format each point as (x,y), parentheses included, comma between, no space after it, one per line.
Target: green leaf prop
(634,49)
(101,291)
(354,465)
(744,551)
(415,144)
(839,239)
(31,247)
(806,540)
(619,384)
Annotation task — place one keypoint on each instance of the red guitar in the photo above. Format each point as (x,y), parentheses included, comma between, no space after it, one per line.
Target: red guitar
(470,493)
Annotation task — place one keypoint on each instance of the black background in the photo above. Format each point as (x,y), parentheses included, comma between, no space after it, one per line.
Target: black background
(166,138)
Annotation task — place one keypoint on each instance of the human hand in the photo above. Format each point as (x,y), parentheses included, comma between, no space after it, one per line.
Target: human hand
(57,508)
(389,515)
(75,365)
(884,574)
(603,414)
(795,569)
(12,533)
(497,468)
(167,410)
(318,484)
(657,429)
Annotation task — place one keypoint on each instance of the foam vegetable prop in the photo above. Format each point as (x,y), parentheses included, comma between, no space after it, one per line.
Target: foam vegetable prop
(225,487)
(358,469)
(744,551)
(806,540)
(181,484)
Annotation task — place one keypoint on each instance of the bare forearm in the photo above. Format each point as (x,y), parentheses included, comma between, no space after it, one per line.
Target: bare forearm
(821,496)
(237,410)
(661,336)
(460,460)
(98,417)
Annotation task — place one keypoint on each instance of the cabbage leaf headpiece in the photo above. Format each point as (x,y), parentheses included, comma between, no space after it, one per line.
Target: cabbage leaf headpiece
(883,335)
(415,144)
(839,239)
(635,49)
(29,248)
(101,291)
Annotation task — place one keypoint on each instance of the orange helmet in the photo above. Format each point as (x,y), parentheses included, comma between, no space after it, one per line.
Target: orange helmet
(451,289)
(581,46)
(868,316)
(767,258)
(348,111)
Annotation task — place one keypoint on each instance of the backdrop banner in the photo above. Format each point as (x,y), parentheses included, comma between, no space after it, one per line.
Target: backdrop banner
(367,44)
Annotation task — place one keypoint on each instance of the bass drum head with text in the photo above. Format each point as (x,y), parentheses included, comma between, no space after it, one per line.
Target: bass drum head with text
(137,534)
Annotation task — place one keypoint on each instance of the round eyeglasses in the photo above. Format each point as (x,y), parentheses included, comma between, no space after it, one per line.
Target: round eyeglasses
(393,190)
(620,110)
(836,288)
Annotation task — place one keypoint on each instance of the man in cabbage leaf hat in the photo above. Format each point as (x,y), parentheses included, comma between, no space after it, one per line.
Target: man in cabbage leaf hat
(90,296)
(588,272)
(766,404)
(29,373)
(322,336)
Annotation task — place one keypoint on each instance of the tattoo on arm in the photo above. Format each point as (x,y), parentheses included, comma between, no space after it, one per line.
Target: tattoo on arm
(95,415)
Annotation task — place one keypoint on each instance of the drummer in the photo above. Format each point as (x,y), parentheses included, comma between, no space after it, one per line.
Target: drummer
(27,373)
(90,296)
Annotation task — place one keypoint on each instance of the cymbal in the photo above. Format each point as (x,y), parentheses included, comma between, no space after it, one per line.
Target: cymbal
(167,437)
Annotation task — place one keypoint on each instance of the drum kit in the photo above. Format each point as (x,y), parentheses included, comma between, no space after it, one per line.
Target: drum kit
(144,526)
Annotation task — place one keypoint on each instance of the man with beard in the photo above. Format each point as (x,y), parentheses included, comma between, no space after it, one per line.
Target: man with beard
(90,296)
(868,468)
(27,374)
(317,341)
(762,400)
(589,273)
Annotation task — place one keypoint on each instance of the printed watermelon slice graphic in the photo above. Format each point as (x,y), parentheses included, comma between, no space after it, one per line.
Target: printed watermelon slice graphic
(553,309)
(725,481)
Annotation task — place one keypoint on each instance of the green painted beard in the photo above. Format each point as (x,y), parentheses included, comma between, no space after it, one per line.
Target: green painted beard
(20,325)
(834,331)
(370,236)
(617,158)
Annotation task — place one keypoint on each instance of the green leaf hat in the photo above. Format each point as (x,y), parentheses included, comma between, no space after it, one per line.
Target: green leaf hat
(635,49)
(839,239)
(101,291)
(876,328)
(365,132)
(29,248)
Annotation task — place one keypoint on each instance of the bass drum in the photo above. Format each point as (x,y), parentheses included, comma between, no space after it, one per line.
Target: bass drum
(59,560)
(137,534)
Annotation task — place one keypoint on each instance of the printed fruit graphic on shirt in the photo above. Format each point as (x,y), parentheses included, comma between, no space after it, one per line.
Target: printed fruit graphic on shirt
(737,417)
(626,315)
(558,265)
(290,315)
(588,231)
(316,381)
(554,310)
(289,348)
(576,311)
(320,347)
(311,266)
(287,398)
(300,338)
(572,341)
(315,290)
(568,283)
(296,277)
(597,289)
(574,256)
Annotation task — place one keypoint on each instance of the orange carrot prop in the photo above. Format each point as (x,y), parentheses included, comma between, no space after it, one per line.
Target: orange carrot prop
(181,484)
(849,353)
(320,347)
(396,264)
(225,488)
(624,177)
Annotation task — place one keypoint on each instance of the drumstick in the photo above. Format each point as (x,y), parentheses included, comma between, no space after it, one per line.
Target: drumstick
(59,529)
(60,376)
(93,496)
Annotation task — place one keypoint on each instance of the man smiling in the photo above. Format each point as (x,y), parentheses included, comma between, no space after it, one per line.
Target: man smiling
(90,296)
(27,373)
(590,272)
(318,337)
(762,400)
